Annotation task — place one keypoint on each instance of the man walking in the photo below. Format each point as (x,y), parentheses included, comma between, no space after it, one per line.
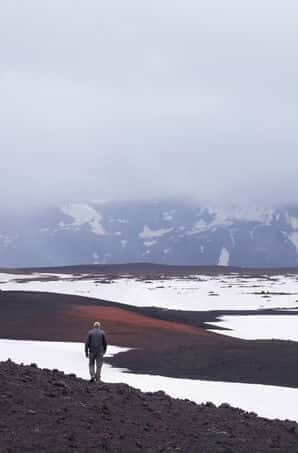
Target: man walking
(95,348)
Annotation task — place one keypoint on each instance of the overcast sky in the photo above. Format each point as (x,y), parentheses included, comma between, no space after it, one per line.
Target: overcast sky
(144,99)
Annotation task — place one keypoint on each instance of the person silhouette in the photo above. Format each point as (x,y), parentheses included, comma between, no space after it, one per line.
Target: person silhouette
(95,348)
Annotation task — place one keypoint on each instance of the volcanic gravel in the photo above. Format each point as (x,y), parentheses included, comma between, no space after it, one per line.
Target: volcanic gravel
(48,411)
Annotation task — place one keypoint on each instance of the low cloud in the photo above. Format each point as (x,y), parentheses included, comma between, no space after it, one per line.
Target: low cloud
(168,99)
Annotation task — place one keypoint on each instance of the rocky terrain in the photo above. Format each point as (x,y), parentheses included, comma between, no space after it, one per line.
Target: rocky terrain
(166,232)
(47,411)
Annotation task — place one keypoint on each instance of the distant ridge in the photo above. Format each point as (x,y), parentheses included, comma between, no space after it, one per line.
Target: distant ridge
(152,269)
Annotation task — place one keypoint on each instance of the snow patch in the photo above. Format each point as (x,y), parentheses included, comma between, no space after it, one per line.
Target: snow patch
(253,327)
(84,214)
(123,243)
(248,214)
(224,257)
(147,233)
(150,243)
(95,257)
(252,232)
(227,217)
(292,221)
(232,239)
(168,216)
(199,227)
(294,239)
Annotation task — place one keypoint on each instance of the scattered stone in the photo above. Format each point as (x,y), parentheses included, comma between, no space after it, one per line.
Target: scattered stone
(62,384)
(118,419)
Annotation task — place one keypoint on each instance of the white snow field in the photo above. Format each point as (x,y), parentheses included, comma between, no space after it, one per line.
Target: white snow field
(264,327)
(196,293)
(266,401)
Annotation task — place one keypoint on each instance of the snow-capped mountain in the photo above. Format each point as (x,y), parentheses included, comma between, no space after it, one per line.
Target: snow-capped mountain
(161,232)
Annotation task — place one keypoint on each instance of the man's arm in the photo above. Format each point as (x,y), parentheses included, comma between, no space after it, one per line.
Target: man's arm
(104,343)
(87,343)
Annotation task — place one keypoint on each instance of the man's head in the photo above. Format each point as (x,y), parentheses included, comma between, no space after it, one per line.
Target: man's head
(96,325)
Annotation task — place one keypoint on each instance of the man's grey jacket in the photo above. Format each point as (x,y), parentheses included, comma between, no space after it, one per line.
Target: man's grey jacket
(96,342)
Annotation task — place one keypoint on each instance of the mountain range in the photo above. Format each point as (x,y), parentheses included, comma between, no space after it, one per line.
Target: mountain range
(167,232)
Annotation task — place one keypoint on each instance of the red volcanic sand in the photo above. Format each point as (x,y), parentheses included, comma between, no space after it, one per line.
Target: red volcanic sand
(43,316)
(130,329)
(113,317)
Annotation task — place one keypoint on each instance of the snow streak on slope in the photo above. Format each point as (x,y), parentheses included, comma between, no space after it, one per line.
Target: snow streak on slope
(294,239)
(83,214)
(147,233)
(224,257)
(227,217)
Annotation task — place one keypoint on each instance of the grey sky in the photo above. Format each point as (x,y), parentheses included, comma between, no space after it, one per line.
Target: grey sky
(105,100)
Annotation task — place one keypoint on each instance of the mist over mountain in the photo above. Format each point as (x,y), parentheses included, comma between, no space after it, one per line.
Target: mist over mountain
(142,100)
(168,232)
(138,101)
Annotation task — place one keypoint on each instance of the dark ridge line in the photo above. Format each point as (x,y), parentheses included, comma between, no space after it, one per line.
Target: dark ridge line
(154,268)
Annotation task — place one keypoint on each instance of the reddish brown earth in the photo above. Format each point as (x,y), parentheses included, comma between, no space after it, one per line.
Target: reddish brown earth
(46,411)
(126,328)
(166,342)
(44,316)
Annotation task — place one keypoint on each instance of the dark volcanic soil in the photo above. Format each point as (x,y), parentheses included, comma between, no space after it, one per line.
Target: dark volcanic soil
(47,411)
(168,342)
(157,270)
